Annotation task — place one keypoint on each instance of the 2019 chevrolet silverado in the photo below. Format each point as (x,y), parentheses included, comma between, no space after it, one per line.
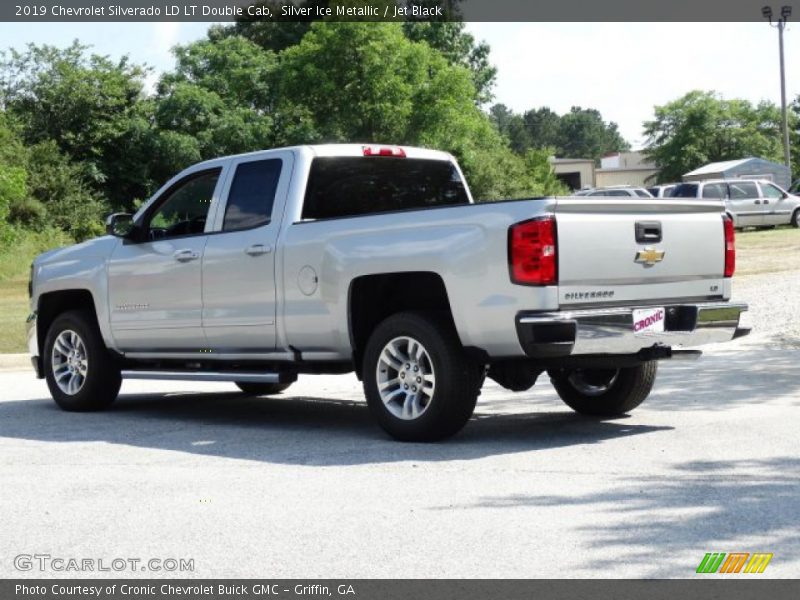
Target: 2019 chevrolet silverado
(336,258)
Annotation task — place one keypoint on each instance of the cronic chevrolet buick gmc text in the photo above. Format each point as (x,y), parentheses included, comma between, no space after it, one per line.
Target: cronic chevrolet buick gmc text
(329,259)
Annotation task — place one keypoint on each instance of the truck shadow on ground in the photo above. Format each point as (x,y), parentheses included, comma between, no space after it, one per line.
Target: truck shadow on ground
(699,506)
(293,430)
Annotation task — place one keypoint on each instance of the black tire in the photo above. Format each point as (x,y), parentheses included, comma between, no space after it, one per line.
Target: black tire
(457,379)
(102,380)
(796,218)
(605,392)
(262,389)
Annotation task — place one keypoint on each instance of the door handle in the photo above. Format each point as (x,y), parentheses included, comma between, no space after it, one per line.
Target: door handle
(766,201)
(186,255)
(758,201)
(258,250)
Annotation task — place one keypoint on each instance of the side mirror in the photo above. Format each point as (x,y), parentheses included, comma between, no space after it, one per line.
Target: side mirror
(120,225)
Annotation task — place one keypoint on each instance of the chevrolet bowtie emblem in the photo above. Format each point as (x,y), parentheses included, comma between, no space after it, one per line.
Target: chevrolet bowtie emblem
(649,256)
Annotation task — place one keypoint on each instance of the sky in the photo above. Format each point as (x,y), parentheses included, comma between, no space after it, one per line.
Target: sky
(621,69)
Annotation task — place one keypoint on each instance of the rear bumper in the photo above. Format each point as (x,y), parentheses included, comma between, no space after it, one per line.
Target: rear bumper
(610,330)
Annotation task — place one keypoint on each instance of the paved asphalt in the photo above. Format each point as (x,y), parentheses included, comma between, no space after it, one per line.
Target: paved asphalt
(306,486)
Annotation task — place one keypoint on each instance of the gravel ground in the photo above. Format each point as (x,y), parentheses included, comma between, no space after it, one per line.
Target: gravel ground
(774,300)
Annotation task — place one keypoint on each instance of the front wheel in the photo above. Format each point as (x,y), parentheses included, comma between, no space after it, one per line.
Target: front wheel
(605,392)
(80,372)
(796,218)
(419,383)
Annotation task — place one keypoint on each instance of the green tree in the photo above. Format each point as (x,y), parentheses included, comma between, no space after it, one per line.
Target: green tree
(58,185)
(794,137)
(544,128)
(13,175)
(580,133)
(458,46)
(362,82)
(88,104)
(512,126)
(702,127)
(218,100)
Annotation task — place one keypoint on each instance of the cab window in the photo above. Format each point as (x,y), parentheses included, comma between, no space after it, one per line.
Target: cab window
(252,194)
(714,190)
(770,191)
(743,190)
(184,208)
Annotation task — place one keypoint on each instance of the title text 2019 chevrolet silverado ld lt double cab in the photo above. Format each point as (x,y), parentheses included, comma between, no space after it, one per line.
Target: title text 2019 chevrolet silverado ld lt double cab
(336,258)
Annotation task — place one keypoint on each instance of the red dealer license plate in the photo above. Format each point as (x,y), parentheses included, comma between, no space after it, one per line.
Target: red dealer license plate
(648,320)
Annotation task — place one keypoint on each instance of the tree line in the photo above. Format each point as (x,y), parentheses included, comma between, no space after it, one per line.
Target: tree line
(82,135)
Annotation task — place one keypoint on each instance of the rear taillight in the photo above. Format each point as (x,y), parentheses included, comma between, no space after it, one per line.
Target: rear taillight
(532,257)
(394,151)
(730,246)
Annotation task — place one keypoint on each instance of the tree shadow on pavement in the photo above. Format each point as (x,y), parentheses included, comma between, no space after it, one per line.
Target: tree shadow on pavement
(746,374)
(699,507)
(294,430)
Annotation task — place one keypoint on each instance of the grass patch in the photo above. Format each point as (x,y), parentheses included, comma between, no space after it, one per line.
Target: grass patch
(13,311)
(767,250)
(16,254)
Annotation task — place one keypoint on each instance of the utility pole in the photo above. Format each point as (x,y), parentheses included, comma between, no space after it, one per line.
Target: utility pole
(786,12)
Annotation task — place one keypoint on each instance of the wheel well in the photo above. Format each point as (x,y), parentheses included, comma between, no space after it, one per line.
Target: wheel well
(53,304)
(373,298)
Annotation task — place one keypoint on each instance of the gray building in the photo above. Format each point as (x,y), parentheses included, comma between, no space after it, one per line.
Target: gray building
(744,168)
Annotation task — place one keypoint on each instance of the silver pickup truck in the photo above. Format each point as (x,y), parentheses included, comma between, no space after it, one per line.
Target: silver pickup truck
(337,258)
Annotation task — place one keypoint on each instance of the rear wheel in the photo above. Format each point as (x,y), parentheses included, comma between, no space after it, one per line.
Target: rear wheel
(262,389)
(605,392)
(80,372)
(419,383)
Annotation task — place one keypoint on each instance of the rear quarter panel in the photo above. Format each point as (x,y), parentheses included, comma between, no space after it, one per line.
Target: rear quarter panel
(465,245)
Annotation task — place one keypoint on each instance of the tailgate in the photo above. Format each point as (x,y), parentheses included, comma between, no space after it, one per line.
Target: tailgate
(643,251)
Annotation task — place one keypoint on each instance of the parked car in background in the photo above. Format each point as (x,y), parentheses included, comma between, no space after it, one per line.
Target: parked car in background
(616,190)
(750,203)
(795,188)
(663,190)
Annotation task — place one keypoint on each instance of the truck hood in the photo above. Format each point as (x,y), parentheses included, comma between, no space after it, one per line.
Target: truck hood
(99,247)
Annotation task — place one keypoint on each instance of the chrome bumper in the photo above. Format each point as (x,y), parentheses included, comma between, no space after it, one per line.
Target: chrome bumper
(610,330)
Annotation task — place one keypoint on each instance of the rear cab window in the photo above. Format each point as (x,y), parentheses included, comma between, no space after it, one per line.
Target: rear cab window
(353,186)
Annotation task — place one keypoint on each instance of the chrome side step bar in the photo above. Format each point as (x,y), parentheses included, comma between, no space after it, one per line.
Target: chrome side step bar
(244,376)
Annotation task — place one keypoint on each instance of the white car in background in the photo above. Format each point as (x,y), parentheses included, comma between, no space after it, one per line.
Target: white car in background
(617,191)
(749,202)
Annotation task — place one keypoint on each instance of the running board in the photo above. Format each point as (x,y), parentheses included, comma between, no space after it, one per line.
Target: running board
(243,376)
